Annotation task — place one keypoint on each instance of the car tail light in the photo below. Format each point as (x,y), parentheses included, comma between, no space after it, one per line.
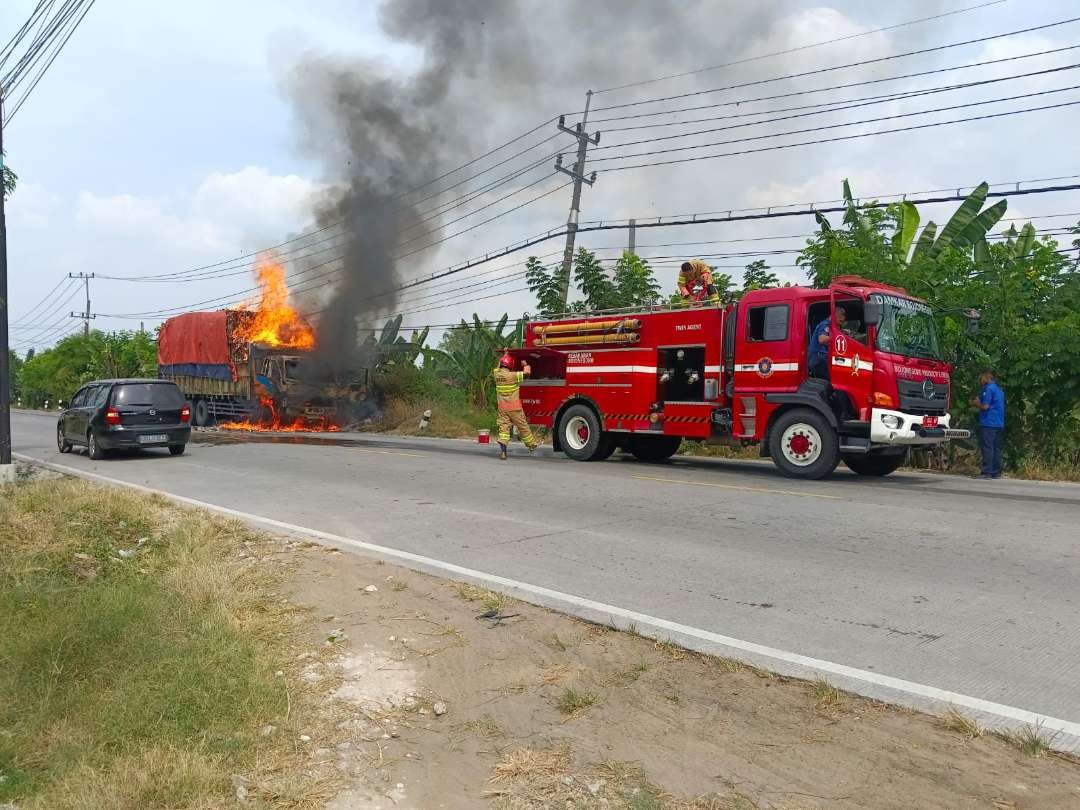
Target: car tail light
(884,400)
(112,417)
(185,414)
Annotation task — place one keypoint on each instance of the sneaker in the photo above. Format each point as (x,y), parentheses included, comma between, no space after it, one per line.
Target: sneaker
(502,452)
(533,449)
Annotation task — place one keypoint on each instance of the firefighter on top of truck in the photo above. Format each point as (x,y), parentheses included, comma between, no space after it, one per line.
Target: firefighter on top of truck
(507,386)
(694,273)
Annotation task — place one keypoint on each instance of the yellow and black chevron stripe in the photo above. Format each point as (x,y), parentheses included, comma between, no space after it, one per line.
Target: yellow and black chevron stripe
(686,419)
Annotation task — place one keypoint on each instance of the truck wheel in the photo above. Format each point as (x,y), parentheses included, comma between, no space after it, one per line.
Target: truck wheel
(803,444)
(654,448)
(202,413)
(608,444)
(580,432)
(876,464)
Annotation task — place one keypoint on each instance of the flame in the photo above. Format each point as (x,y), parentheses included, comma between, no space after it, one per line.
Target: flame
(275,323)
(275,425)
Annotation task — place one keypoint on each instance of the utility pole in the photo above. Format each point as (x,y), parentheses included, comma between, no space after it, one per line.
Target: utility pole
(633,235)
(578,173)
(86,287)
(6,470)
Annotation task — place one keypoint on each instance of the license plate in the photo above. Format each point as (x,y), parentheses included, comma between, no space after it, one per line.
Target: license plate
(153,438)
(929,421)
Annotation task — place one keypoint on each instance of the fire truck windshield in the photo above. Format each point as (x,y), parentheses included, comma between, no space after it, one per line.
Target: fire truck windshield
(907,327)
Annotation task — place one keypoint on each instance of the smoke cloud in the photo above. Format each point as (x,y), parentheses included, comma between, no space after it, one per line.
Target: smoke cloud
(486,68)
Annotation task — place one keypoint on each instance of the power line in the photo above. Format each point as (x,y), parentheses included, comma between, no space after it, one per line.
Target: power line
(800,47)
(36,306)
(898,116)
(839,138)
(845,66)
(850,105)
(830,88)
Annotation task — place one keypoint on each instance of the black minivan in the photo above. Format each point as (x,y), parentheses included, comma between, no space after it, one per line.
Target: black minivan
(109,415)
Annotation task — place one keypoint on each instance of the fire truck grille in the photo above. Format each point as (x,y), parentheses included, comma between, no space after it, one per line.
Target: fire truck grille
(923,396)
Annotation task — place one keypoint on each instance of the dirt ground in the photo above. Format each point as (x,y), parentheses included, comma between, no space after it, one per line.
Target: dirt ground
(428,705)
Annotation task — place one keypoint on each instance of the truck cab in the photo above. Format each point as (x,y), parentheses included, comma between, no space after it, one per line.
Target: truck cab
(881,387)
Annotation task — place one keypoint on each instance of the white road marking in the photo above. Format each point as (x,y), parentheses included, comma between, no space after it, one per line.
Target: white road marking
(1057,727)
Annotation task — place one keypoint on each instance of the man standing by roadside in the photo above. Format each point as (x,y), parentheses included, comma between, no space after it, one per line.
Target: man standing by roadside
(991,406)
(508,398)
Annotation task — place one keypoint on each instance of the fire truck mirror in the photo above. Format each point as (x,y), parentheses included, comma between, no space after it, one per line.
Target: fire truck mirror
(872,312)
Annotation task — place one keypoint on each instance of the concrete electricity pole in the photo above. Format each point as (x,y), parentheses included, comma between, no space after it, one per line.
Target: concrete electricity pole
(578,173)
(7,472)
(86,288)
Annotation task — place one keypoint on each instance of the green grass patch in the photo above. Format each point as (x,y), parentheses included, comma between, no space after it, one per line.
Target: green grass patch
(128,680)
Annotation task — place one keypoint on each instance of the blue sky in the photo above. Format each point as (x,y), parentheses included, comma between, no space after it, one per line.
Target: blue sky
(161,139)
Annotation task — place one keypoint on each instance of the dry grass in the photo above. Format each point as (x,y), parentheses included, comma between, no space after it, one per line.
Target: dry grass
(532,779)
(489,600)
(487,727)
(671,649)
(158,663)
(961,724)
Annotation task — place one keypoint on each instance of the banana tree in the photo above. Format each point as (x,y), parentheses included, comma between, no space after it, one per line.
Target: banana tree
(968,226)
(469,354)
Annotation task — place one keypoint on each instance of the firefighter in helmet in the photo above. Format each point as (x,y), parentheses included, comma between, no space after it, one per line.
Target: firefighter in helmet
(507,384)
(695,273)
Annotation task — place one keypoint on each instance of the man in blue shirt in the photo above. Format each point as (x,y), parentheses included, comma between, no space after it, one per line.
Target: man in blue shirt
(991,406)
(817,353)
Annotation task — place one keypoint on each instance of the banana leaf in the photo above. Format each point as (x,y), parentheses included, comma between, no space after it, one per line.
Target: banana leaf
(960,219)
(925,244)
(980,226)
(907,225)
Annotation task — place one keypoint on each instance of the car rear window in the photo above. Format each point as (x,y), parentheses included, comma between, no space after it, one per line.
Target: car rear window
(162,395)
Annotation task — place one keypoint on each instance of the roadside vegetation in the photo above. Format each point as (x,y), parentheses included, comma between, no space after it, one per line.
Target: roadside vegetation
(1025,286)
(141,665)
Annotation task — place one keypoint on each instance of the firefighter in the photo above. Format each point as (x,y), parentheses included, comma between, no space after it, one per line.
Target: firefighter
(507,384)
(693,273)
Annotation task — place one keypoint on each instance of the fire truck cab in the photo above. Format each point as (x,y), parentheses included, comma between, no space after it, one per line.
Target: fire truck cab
(644,381)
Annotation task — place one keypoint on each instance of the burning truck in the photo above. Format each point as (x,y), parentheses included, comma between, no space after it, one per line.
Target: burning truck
(253,368)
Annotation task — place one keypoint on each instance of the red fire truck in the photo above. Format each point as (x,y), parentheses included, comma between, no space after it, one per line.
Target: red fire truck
(644,381)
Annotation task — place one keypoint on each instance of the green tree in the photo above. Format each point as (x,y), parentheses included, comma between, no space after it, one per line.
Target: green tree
(545,284)
(10,179)
(758,277)
(15,365)
(593,281)
(635,285)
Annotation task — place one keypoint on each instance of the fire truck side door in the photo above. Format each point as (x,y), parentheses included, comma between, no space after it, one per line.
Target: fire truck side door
(851,362)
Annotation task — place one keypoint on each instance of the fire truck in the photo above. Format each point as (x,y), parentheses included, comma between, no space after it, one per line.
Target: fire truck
(643,381)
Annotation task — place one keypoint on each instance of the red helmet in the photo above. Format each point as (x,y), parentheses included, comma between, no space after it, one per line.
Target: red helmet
(506,361)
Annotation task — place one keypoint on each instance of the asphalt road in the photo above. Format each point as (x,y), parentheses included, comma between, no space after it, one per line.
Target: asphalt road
(955,584)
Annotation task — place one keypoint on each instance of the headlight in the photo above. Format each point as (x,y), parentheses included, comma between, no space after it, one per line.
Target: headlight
(892,422)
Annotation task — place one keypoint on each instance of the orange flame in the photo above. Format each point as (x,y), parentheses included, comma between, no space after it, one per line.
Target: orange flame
(275,425)
(275,322)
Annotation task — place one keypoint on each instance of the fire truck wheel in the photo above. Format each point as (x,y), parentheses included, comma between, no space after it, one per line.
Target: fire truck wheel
(875,464)
(201,413)
(608,445)
(803,445)
(654,448)
(580,432)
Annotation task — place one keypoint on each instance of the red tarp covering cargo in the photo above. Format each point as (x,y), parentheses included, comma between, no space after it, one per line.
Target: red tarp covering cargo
(196,343)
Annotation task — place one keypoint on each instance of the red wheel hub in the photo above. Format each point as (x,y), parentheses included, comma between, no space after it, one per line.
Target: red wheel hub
(583,433)
(800,445)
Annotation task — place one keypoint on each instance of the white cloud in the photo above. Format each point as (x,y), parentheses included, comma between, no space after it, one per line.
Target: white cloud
(32,206)
(226,210)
